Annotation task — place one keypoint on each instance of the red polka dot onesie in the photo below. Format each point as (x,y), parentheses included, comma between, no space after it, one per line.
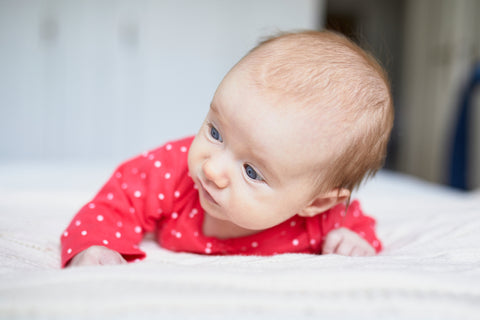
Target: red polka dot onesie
(154,192)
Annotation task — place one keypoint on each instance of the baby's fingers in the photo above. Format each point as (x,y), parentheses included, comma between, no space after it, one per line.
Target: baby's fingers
(332,241)
(362,250)
(97,255)
(346,242)
(112,258)
(345,248)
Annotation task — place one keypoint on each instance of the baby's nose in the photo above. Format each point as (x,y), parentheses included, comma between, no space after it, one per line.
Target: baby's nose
(215,172)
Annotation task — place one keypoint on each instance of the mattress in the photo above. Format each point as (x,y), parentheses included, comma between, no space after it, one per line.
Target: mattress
(429,268)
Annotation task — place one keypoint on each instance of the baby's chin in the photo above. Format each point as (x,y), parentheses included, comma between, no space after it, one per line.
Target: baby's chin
(253,227)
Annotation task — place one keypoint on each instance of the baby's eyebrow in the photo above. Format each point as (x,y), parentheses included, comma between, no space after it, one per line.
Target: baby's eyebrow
(213,107)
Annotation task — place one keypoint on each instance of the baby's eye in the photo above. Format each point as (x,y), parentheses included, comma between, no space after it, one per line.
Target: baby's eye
(215,134)
(251,173)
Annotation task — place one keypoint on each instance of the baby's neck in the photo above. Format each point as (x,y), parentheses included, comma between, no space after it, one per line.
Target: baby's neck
(222,229)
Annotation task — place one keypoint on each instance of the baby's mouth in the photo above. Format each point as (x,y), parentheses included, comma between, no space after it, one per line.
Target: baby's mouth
(206,194)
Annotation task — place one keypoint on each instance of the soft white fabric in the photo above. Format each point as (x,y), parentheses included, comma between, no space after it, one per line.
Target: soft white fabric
(429,269)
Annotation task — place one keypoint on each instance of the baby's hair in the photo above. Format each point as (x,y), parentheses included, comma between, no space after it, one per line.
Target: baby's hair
(331,77)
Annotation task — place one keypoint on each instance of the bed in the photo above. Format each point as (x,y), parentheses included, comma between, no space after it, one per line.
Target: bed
(429,269)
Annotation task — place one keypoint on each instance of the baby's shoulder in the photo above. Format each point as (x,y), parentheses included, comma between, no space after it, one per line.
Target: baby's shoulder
(172,153)
(179,146)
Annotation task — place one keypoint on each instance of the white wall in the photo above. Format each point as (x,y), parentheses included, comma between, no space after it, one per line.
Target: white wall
(108,79)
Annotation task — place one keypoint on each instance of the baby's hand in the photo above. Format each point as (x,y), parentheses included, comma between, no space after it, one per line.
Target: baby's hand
(97,255)
(346,242)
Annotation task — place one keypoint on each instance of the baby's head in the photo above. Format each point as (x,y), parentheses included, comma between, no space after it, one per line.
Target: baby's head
(343,90)
(294,127)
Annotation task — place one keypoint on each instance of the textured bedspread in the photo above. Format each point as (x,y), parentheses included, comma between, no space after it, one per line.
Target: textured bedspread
(429,269)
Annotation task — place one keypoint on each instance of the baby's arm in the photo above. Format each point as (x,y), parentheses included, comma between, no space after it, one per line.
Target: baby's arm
(346,242)
(97,255)
(115,219)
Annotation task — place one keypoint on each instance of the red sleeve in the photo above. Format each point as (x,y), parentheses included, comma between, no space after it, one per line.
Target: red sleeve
(131,203)
(353,219)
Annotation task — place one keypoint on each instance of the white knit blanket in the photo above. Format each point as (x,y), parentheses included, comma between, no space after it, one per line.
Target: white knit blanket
(429,269)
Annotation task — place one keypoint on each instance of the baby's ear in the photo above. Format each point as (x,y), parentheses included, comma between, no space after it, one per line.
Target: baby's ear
(325,201)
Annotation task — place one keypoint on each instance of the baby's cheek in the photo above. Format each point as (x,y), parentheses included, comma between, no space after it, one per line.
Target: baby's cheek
(246,216)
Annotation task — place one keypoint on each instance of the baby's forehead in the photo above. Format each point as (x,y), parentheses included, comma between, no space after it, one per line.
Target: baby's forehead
(301,140)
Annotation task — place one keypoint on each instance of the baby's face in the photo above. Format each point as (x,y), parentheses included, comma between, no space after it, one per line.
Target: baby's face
(254,163)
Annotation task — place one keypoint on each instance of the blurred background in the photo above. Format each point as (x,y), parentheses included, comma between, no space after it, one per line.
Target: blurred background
(105,80)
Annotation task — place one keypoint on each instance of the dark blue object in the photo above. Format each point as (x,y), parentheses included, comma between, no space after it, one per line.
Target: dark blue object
(460,150)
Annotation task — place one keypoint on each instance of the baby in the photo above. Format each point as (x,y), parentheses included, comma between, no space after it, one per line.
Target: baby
(292,129)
